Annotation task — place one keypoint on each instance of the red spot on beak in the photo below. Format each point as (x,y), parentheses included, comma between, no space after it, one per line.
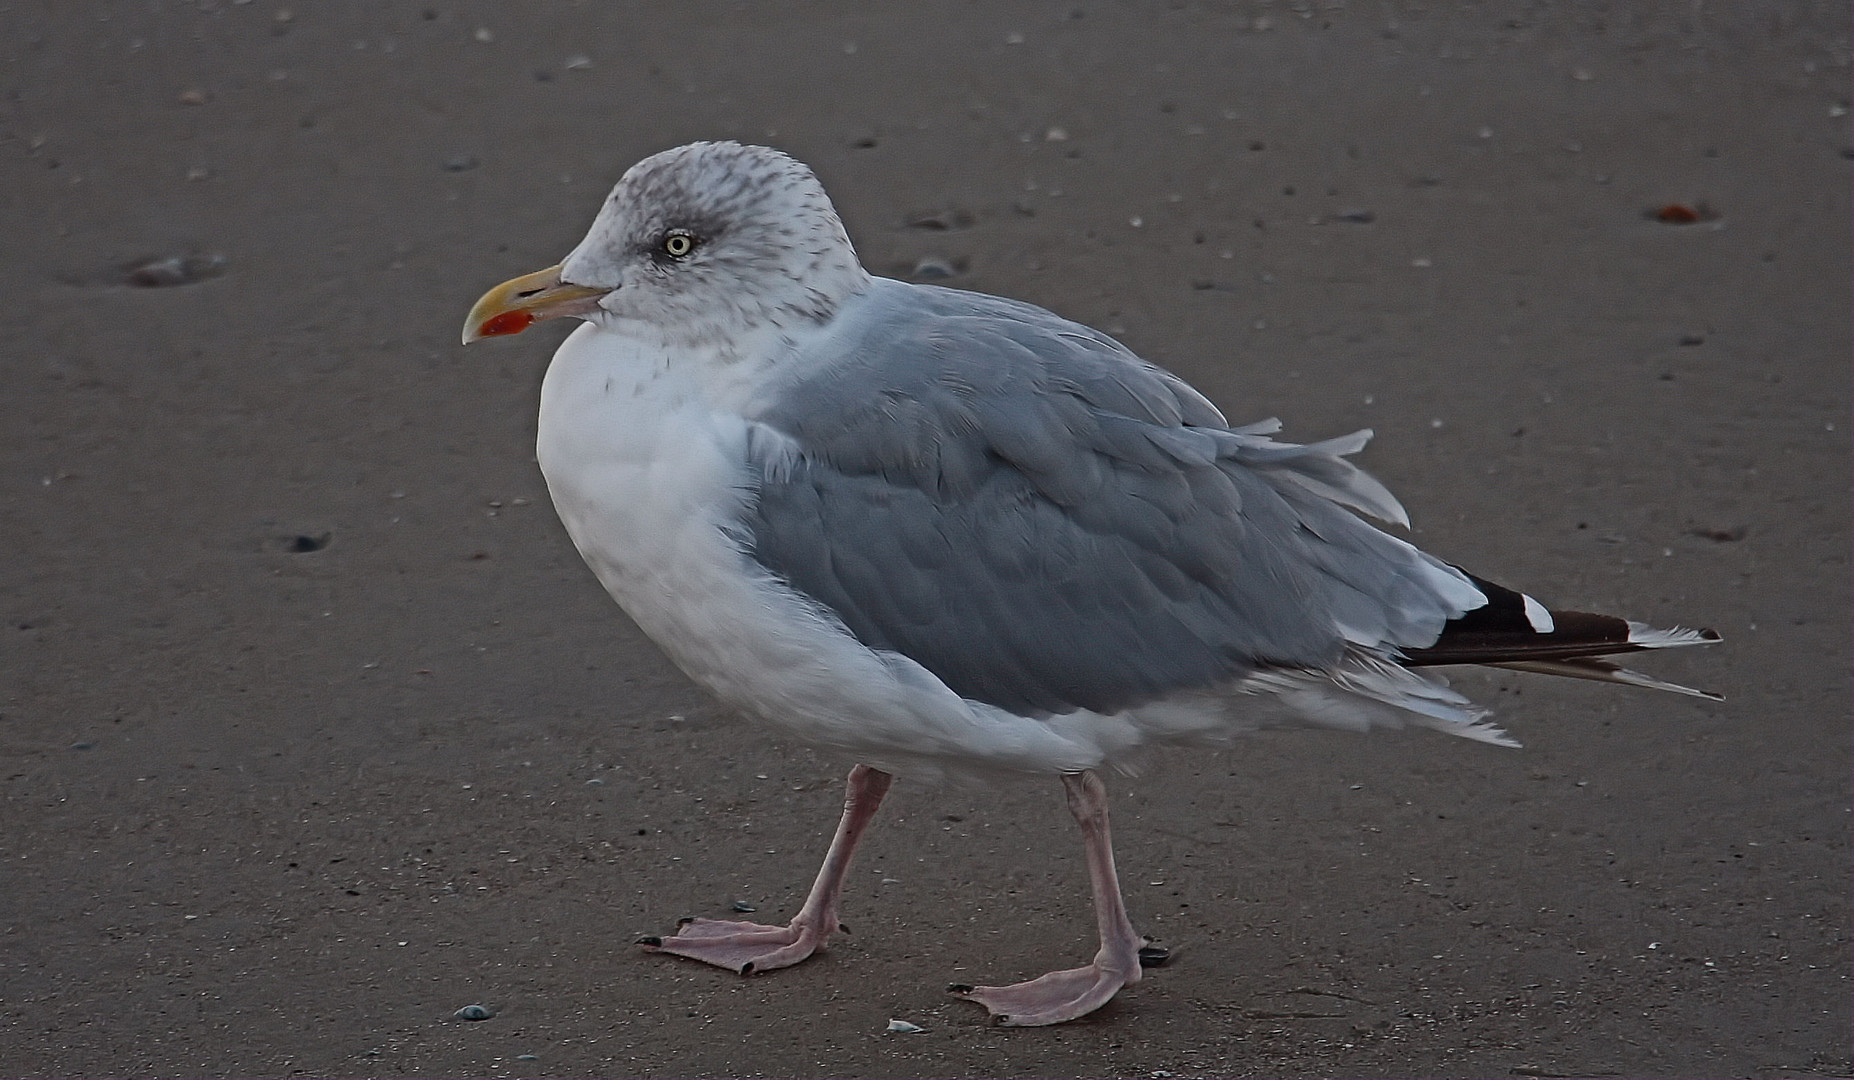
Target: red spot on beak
(509,322)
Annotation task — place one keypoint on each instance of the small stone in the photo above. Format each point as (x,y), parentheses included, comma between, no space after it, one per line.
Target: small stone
(1682,214)
(933,269)
(938,220)
(473,1012)
(159,271)
(902,1027)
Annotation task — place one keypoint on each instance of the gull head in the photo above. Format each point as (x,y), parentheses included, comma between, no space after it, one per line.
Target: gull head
(695,245)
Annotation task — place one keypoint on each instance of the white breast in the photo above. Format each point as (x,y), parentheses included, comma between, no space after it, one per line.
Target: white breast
(649,476)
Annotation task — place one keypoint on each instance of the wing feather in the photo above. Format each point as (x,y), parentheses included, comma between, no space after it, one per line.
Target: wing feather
(1048,523)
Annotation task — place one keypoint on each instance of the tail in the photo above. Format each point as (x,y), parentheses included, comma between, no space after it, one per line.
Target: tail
(1515,631)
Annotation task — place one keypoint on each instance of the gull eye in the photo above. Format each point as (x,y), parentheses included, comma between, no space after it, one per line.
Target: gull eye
(677,244)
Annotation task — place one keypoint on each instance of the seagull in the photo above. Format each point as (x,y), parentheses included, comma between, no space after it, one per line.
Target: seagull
(937,532)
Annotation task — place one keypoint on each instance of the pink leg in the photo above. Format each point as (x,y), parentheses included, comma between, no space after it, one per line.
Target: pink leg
(749,947)
(1065,995)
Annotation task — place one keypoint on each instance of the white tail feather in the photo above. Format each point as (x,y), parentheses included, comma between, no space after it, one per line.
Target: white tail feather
(1368,691)
(1649,637)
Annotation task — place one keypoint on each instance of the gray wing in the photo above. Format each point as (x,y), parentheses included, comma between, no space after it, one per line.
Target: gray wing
(1047,523)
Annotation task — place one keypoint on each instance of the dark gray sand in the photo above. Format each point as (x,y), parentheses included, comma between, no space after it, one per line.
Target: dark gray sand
(315,729)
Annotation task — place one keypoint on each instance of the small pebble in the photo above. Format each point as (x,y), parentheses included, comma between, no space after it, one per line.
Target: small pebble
(939,220)
(162,271)
(473,1012)
(933,269)
(1682,214)
(743,907)
(902,1027)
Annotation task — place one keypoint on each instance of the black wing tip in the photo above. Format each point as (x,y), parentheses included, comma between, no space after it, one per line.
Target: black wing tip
(1514,626)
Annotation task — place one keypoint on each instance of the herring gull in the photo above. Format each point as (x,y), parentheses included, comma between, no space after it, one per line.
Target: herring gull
(933,530)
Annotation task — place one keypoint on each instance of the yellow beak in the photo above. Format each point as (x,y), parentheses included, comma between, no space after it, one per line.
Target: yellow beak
(513,306)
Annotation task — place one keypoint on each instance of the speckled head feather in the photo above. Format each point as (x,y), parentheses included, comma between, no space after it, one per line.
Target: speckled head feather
(767,247)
